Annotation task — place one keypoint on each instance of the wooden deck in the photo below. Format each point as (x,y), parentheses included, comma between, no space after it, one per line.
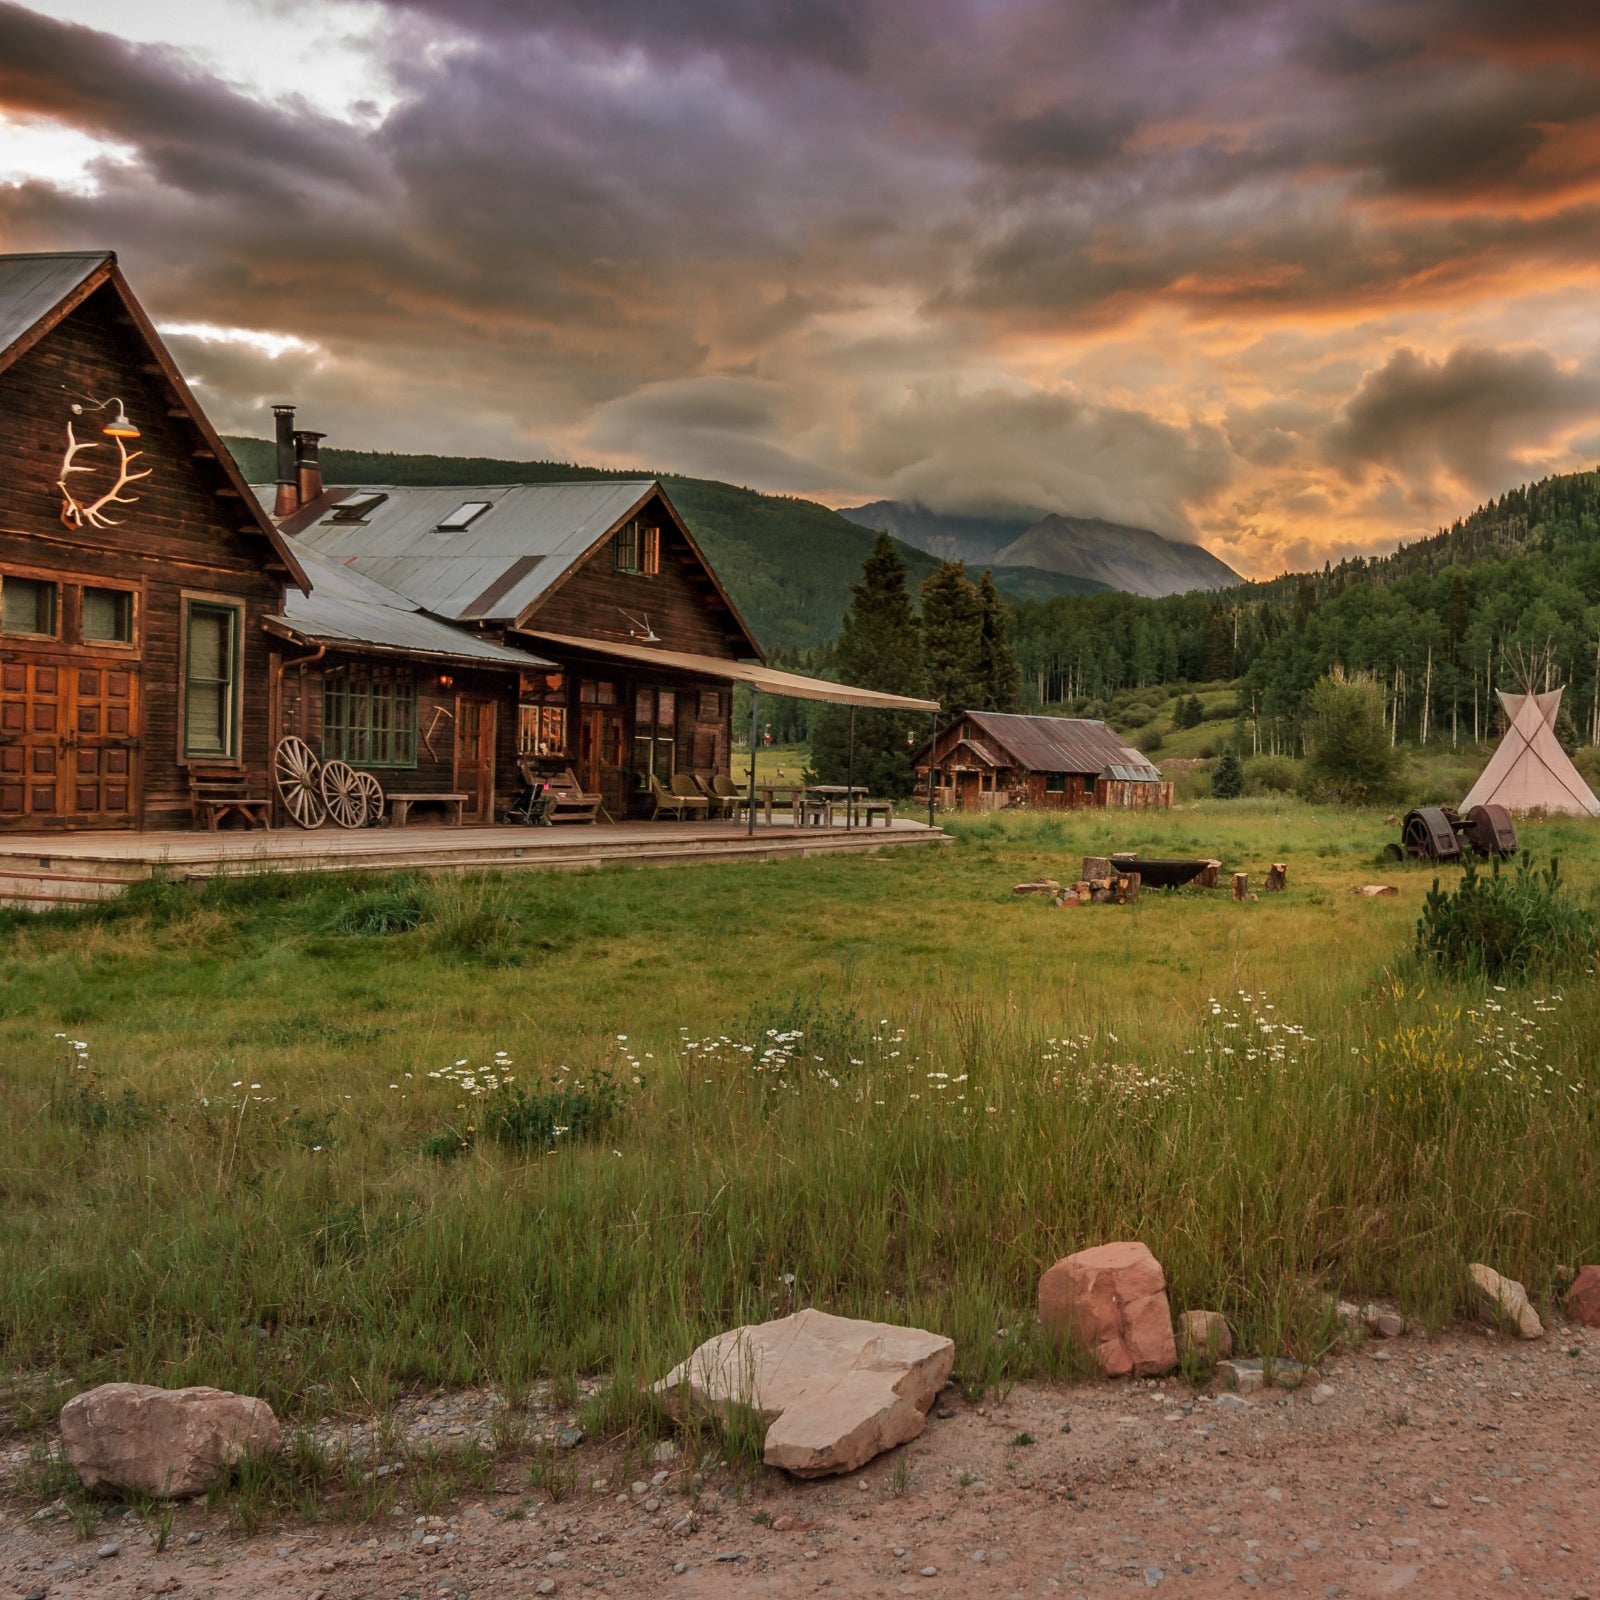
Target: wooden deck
(46,869)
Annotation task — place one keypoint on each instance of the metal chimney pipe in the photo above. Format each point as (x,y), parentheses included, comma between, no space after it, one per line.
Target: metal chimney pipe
(287,500)
(308,467)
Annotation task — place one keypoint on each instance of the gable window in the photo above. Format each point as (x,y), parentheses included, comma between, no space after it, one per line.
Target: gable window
(28,606)
(107,616)
(369,715)
(637,548)
(211,679)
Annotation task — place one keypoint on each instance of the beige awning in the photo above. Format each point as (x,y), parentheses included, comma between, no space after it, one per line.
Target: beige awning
(758,677)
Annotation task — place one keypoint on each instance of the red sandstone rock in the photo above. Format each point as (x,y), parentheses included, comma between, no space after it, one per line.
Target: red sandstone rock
(1583,1298)
(1113,1301)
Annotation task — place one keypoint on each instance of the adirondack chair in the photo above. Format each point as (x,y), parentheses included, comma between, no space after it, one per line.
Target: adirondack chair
(676,805)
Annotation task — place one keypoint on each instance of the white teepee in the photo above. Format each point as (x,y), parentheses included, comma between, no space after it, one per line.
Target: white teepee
(1530,771)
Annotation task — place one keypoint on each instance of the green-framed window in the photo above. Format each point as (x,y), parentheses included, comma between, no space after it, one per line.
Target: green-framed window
(369,715)
(212,634)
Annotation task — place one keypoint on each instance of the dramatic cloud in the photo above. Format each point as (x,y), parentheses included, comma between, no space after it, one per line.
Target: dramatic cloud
(1292,277)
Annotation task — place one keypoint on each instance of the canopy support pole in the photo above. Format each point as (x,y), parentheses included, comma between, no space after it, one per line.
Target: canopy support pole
(850,776)
(755,705)
(933,763)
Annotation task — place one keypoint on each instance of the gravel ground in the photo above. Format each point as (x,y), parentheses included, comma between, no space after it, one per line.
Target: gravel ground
(1456,1465)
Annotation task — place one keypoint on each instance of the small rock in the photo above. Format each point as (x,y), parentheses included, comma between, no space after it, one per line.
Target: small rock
(639,1488)
(1153,1576)
(1504,1300)
(107,1551)
(977,1555)
(652,1504)
(928,1572)
(570,1438)
(1244,1375)
(899,1551)
(783,1524)
(1113,1301)
(666,1450)
(1231,1402)
(1322,1394)
(1205,1334)
(1382,1324)
(545,1586)
(35,1594)
(1583,1298)
(1439,1503)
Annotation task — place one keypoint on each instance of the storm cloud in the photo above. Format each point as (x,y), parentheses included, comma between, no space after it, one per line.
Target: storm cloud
(1279,275)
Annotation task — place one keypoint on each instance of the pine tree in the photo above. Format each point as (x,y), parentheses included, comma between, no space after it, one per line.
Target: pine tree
(952,638)
(1002,677)
(1227,777)
(880,647)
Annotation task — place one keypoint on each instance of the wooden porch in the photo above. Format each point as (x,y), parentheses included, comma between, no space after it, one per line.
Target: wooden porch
(41,870)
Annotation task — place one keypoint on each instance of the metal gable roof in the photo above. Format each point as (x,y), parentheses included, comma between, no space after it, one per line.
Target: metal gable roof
(32,286)
(1064,744)
(344,607)
(491,570)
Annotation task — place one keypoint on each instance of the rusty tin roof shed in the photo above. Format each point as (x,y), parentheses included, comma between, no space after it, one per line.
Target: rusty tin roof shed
(1058,744)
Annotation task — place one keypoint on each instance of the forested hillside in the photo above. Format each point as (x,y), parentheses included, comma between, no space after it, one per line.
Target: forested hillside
(788,563)
(1441,623)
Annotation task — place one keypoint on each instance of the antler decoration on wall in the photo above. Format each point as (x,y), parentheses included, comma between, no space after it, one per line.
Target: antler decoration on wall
(74,512)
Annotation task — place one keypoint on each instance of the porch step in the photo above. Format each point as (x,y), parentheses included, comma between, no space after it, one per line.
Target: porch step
(38,882)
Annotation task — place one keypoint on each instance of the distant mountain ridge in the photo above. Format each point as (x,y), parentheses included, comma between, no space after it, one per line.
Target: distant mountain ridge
(1089,549)
(787,562)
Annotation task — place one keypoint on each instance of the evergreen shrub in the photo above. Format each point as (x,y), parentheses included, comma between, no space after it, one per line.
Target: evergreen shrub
(1505,925)
(1227,777)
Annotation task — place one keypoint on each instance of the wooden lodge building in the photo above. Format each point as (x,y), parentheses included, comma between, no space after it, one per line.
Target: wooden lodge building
(989,761)
(164,625)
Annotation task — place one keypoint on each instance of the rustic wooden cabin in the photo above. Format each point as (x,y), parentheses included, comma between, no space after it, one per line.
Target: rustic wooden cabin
(988,761)
(629,637)
(135,566)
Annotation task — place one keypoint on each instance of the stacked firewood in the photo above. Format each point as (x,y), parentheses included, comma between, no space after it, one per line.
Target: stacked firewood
(1101,885)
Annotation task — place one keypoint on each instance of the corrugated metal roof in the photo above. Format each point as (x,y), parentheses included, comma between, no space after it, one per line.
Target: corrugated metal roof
(344,607)
(1064,744)
(490,571)
(32,286)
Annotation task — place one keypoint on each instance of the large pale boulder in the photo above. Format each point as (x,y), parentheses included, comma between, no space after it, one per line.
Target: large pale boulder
(834,1391)
(1112,1300)
(1502,1300)
(167,1443)
(1583,1298)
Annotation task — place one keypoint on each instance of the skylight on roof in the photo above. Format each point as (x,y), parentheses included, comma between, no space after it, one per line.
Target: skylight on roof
(463,516)
(357,508)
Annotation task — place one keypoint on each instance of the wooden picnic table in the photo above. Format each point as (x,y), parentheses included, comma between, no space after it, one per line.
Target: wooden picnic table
(766,791)
(829,792)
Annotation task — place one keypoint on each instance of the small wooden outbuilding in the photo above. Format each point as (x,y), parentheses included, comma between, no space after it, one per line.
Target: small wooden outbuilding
(989,760)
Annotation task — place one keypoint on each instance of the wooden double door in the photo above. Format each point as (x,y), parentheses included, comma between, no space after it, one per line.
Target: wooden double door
(69,743)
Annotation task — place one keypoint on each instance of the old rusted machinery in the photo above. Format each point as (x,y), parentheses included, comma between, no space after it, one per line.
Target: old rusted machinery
(1441,833)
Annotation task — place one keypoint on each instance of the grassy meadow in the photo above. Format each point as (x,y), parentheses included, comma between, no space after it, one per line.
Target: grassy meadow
(323,1139)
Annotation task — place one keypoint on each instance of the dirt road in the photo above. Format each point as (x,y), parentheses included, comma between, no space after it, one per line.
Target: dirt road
(1457,1465)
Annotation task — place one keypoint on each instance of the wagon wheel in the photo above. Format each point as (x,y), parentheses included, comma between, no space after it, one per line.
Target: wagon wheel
(371,792)
(1418,841)
(342,793)
(298,774)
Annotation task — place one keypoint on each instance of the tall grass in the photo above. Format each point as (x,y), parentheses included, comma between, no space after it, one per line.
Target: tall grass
(882,1086)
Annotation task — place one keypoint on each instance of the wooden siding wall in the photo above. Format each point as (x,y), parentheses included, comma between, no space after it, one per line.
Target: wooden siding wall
(1116,794)
(179,536)
(434,772)
(680,600)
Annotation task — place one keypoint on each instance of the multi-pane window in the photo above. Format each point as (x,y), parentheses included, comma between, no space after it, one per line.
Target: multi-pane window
(541,730)
(107,616)
(637,548)
(211,680)
(369,715)
(655,721)
(28,606)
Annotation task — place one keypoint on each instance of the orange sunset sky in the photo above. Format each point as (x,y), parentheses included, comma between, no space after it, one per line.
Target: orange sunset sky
(1294,280)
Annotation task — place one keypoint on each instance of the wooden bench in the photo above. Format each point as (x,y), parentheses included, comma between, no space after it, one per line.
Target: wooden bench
(868,809)
(569,803)
(216,794)
(400,806)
